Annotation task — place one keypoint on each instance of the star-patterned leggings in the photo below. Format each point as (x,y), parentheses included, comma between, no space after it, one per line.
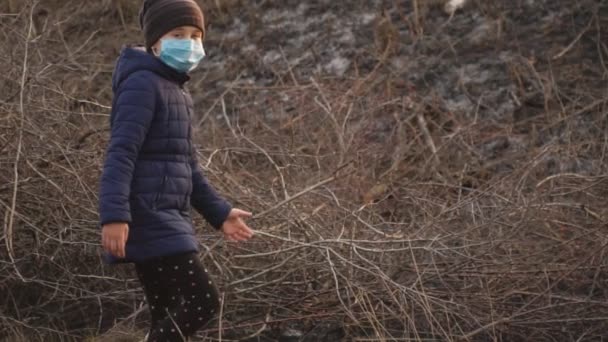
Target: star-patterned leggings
(180,295)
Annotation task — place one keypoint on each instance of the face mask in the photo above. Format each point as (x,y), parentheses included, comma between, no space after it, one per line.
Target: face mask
(182,55)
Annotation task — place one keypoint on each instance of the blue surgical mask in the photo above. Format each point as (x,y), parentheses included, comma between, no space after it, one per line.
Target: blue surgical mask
(182,55)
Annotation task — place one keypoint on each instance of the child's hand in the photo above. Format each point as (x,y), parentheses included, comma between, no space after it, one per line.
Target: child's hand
(235,228)
(114,238)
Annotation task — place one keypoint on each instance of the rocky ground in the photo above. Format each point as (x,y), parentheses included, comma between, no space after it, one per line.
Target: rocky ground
(492,62)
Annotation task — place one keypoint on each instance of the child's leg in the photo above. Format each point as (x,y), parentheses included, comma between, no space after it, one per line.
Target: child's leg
(161,298)
(199,304)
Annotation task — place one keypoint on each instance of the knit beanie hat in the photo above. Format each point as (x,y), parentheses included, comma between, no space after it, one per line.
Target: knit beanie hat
(157,17)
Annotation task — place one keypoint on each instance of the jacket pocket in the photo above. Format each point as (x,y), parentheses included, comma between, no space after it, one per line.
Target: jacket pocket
(159,193)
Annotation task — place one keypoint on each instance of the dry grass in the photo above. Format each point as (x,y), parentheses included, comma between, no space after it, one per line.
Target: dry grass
(380,217)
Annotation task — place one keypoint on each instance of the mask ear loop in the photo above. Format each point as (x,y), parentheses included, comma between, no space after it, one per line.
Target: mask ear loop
(154,51)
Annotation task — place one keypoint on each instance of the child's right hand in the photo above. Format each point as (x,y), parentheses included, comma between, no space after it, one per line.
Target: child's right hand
(114,238)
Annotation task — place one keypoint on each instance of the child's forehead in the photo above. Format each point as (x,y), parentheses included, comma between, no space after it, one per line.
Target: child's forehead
(187,28)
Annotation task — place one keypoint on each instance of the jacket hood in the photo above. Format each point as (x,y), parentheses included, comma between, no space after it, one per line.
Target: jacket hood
(135,58)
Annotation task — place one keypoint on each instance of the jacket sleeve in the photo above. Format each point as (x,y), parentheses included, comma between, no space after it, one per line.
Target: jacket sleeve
(132,112)
(205,199)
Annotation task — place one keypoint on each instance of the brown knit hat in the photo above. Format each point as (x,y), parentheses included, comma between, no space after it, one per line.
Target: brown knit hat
(157,17)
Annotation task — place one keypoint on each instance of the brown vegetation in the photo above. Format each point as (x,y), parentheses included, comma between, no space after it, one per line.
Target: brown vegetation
(449,185)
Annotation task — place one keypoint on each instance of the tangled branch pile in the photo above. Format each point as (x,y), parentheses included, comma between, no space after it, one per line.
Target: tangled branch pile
(422,177)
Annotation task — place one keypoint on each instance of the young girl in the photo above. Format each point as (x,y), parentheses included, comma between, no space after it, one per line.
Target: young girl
(151,176)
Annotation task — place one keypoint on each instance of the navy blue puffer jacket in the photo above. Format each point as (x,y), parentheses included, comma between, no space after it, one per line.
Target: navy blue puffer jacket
(151,177)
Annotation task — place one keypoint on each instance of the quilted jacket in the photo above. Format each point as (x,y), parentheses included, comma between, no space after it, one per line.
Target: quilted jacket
(151,178)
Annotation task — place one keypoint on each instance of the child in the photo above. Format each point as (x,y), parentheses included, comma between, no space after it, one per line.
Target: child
(151,176)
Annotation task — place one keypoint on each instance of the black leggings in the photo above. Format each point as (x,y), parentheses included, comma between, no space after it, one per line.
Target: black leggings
(180,295)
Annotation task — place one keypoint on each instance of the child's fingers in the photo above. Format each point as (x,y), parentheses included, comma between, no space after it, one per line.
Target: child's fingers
(240,236)
(242,213)
(246,230)
(123,244)
(114,242)
(112,246)
(107,245)
(246,233)
(117,247)
(121,248)
(104,242)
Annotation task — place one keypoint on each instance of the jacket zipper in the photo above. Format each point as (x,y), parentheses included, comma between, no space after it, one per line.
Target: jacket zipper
(190,151)
(158,193)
